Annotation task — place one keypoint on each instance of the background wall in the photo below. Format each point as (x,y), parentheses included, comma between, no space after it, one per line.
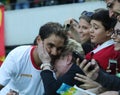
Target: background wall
(22,26)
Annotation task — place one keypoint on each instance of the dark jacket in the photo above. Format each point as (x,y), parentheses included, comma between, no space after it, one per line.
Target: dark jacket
(87,47)
(51,84)
(111,82)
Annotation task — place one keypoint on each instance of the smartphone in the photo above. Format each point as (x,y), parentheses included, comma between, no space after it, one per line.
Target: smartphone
(76,55)
(112,66)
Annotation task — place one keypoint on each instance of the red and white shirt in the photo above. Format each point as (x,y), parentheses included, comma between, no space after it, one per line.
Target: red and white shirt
(19,72)
(103,54)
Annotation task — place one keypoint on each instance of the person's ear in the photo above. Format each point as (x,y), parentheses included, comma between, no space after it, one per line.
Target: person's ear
(38,39)
(69,59)
(109,32)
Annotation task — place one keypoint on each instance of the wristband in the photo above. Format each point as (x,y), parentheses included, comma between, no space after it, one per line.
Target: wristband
(45,64)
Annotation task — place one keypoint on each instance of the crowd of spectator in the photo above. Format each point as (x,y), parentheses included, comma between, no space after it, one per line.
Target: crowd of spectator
(22,4)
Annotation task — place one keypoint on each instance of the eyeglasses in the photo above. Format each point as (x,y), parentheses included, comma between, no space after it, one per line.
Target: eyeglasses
(110,4)
(89,14)
(116,32)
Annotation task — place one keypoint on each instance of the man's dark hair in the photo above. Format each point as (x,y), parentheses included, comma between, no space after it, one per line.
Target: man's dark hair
(52,28)
(118,0)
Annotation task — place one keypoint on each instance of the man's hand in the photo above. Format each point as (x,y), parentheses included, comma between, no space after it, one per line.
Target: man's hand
(43,54)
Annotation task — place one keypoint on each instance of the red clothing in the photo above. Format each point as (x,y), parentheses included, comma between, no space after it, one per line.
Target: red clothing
(104,55)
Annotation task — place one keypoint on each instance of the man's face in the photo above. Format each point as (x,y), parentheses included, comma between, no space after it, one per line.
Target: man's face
(116,37)
(114,8)
(54,45)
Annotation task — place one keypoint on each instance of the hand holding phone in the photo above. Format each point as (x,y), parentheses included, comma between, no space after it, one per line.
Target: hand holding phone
(76,55)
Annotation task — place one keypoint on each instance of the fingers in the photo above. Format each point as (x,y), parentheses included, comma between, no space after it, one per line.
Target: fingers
(78,61)
(85,86)
(81,78)
(43,48)
(42,53)
(86,68)
(96,67)
(88,83)
(69,21)
(93,74)
(83,63)
(40,47)
(90,68)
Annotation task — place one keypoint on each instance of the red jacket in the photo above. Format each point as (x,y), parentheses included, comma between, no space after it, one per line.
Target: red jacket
(103,57)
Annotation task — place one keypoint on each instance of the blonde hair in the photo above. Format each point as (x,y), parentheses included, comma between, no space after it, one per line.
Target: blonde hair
(71,46)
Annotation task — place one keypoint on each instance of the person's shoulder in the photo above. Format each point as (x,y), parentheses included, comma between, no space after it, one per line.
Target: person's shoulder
(75,68)
(21,49)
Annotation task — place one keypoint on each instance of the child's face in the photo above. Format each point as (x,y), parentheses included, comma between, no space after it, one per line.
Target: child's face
(98,34)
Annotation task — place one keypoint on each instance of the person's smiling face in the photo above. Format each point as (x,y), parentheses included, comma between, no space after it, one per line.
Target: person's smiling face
(84,30)
(54,45)
(116,37)
(114,8)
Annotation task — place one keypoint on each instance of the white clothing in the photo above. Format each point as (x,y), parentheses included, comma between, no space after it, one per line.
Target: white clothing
(18,73)
(104,45)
